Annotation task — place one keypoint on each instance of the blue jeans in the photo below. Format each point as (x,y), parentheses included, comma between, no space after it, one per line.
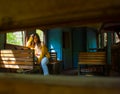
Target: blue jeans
(43,63)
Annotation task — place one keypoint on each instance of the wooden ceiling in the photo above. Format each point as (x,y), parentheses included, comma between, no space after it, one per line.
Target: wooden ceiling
(17,14)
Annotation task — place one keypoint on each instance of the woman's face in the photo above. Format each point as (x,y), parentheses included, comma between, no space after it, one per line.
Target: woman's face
(35,39)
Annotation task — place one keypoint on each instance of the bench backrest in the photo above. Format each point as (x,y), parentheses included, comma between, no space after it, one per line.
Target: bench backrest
(53,56)
(23,59)
(92,58)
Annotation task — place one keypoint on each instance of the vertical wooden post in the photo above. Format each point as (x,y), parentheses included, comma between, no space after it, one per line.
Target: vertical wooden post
(109,47)
(108,51)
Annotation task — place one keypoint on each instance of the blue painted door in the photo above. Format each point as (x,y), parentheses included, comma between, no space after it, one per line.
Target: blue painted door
(67,49)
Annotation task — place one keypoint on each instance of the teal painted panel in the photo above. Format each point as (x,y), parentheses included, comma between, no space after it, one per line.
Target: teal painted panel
(91,39)
(55,41)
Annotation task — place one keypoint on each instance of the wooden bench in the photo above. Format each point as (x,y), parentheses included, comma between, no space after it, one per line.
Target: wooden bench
(96,59)
(54,65)
(22,60)
(16,60)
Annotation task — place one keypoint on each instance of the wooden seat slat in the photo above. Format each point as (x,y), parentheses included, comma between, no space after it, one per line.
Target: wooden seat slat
(17,62)
(15,51)
(16,59)
(16,66)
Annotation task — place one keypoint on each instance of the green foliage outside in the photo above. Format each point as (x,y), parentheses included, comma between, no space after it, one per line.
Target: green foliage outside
(14,38)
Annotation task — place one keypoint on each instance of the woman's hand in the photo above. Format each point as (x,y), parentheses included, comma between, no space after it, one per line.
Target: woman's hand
(31,39)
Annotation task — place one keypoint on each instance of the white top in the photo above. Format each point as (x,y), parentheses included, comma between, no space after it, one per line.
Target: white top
(37,51)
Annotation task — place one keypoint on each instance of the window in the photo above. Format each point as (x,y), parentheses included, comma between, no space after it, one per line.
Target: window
(102,40)
(105,39)
(41,34)
(117,38)
(15,38)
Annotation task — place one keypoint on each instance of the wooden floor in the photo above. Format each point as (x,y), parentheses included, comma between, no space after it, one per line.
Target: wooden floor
(74,72)
(52,84)
(70,72)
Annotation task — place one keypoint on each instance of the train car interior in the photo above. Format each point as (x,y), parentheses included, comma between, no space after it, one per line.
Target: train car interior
(82,37)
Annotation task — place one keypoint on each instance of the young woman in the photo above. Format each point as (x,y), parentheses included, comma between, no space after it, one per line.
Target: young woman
(41,52)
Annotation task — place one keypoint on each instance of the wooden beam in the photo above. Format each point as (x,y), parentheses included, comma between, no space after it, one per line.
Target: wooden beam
(47,14)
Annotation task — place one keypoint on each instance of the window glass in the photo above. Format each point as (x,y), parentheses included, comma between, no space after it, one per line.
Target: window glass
(105,39)
(116,38)
(16,38)
(41,34)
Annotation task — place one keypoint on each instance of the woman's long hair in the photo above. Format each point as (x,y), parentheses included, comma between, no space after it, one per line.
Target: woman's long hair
(38,42)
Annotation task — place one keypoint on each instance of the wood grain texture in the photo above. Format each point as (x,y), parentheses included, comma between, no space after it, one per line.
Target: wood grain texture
(96,58)
(38,84)
(46,13)
(17,59)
